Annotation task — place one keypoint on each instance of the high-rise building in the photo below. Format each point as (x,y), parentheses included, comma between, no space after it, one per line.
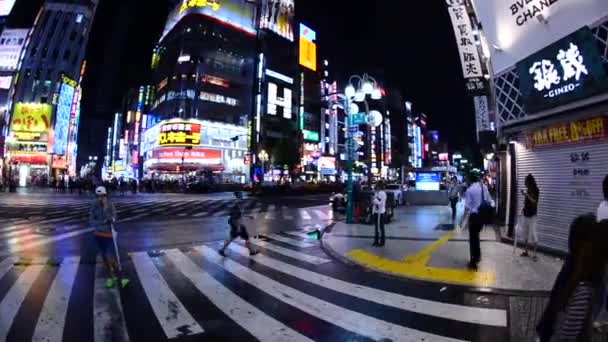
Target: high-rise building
(45,106)
(203,74)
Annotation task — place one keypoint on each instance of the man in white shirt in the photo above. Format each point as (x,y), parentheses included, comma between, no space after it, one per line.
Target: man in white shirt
(378,210)
(474,196)
(602,210)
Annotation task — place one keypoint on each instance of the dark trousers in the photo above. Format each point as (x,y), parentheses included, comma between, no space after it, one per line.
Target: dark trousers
(453,202)
(379,236)
(475,226)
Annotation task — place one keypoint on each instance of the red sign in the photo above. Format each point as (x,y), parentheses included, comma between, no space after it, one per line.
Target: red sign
(29,158)
(59,162)
(198,156)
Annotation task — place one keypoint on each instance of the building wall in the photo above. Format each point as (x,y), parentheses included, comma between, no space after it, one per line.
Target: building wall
(57,47)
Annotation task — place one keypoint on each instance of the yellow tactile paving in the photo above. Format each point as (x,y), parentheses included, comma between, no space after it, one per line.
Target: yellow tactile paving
(415,266)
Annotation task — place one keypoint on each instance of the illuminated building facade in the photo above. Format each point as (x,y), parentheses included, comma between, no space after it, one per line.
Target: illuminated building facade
(203,78)
(48,90)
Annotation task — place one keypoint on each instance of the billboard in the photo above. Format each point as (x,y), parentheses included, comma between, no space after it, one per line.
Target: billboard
(278,17)
(568,70)
(428,181)
(6,6)
(308,48)
(31,117)
(239,14)
(62,119)
(327,166)
(174,155)
(12,42)
(515,28)
(180,134)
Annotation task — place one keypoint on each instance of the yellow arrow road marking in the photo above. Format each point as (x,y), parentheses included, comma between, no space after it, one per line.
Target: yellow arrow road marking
(415,266)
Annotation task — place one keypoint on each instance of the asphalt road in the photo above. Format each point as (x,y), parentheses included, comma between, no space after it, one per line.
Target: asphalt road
(52,284)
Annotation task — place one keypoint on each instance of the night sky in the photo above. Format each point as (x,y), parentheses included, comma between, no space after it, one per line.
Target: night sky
(415,49)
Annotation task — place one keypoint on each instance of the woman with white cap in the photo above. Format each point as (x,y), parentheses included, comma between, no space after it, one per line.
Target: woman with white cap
(101,217)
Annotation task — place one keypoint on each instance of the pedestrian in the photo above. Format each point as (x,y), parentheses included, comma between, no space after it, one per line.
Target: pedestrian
(530,211)
(602,210)
(475,196)
(378,211)
(454,197)
(575,298)
(237,229)
(102,217)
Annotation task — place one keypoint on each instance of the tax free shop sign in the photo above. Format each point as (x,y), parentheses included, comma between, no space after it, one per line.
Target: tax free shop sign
(568,70)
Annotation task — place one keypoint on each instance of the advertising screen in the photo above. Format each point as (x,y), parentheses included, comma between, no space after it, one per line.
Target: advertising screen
(516,28)
(327,165)
(62,119)
(236,13)
(567,70)
(31,117)
(278,17)
(428,181)
(12,42)
(179,134)
(308,48)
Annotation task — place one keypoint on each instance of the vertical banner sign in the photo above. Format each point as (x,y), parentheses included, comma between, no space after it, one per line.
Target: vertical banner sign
(467,49)
(482,113)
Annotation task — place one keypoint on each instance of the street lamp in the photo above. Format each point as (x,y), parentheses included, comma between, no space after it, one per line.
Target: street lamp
(263,156)
(357,90)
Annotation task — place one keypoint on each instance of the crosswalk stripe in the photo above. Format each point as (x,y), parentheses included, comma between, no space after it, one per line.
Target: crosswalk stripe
(44,241)
(270,212)
(55,308)
(286,214)
(108,318)
(492,317)
(10,304)
(347,319)
(132,218)
(6,265)
(290,241)
(311,259)
(320,214)
(256,322)
(304,214)
(170,312)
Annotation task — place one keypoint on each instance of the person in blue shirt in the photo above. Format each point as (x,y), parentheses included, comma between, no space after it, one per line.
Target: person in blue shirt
(475,195)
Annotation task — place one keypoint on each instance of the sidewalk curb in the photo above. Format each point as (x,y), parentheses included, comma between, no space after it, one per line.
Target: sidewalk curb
(326,247)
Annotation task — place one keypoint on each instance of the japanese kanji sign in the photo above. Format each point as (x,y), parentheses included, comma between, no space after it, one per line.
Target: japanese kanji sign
(568,70)
(180,134)
(467,49)
(482,113)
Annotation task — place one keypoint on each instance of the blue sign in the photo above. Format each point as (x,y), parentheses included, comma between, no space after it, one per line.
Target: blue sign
(62,119)
(428,181)
(307,33)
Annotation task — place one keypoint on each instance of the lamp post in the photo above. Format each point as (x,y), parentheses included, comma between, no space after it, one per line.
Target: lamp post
(263,158)
(357,91)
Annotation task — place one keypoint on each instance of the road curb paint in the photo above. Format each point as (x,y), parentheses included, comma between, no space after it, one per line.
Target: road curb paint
(415,266)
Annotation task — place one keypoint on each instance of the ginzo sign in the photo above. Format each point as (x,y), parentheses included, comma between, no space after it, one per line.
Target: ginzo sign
(568,70)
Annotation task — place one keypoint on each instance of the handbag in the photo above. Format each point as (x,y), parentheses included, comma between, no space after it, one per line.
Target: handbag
(486,210)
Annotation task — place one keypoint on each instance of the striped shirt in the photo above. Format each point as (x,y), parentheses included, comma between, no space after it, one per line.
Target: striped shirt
(576,321)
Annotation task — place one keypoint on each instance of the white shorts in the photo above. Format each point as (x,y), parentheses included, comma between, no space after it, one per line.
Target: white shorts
(528,229)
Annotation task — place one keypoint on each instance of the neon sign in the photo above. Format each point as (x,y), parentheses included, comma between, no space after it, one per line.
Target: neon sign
(180,134)
(214,5)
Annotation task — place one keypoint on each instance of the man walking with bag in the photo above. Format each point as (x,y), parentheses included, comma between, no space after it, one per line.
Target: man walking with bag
(478,207)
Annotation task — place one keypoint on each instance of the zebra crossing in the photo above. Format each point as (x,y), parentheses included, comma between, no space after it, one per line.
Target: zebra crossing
(133,211)
(291,291)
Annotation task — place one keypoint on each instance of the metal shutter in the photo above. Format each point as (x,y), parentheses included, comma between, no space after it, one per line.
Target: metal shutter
(559,201)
